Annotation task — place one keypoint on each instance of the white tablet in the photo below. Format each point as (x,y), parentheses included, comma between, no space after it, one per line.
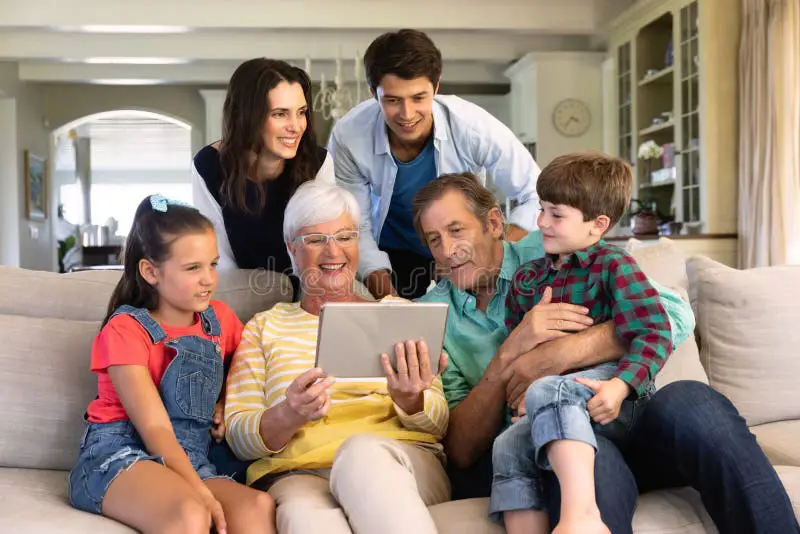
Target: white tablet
(353,335)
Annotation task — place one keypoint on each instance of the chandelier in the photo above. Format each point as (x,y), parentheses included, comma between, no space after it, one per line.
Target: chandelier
(335,100)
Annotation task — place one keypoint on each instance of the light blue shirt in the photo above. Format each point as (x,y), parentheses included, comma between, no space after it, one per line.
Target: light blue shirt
(465,138)
(398,228)
(472,337)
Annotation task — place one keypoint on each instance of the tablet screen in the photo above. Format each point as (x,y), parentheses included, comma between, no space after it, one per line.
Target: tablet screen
(352,336)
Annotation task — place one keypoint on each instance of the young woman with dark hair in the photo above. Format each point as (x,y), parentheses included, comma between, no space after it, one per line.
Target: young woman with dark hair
(243,182)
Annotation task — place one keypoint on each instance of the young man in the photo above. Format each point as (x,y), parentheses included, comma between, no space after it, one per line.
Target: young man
(384,150)
(676,442)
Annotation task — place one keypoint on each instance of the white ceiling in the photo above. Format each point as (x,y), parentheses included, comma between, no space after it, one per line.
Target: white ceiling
(201,41)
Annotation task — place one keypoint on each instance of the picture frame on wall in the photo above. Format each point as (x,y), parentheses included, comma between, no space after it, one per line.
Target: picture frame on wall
(35,187)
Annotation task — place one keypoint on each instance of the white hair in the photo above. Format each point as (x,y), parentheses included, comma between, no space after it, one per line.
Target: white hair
(314,203)
(317,203)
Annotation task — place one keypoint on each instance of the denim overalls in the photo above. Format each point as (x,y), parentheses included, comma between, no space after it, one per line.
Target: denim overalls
(189,389)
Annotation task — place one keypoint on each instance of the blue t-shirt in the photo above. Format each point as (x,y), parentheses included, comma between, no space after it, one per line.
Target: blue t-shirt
(398,229)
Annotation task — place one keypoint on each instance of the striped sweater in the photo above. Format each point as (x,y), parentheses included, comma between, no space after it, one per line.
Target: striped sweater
(279,345)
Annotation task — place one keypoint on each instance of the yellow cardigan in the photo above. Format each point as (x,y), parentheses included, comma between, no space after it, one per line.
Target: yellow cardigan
(279,345)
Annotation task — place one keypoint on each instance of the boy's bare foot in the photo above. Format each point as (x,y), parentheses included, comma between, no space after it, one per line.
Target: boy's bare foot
(586,523)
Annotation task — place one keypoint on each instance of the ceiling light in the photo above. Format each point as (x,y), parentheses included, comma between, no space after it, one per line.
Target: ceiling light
(126,81)
(114,28)
(136,60)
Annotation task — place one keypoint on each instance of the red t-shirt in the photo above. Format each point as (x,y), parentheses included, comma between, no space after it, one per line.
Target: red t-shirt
(123,341)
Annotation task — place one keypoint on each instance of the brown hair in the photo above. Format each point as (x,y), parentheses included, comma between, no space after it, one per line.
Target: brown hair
(593,182)
(480,200)
(243,115)
(151,237)
(407,54)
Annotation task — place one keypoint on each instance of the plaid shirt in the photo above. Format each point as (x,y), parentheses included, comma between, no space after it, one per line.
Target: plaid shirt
(608,281)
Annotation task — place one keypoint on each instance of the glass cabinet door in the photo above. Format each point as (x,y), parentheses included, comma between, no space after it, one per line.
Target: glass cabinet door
(625,126)
(690,114)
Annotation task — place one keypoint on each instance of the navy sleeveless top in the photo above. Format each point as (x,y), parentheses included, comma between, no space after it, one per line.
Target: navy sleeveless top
(256,239)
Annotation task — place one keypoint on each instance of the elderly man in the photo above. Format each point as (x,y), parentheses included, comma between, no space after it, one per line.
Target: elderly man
(677,442)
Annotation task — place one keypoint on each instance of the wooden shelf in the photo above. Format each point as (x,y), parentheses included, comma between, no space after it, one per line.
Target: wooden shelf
(659,184)
(687,236)
(662,76)
(657,128)
(703,130)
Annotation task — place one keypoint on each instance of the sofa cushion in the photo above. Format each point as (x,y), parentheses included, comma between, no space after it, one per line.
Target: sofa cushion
(81,296)
(658,512)
(749,325)
(249,292)
(45,386)
(35,502)
(780,441)
(467,516)
(682,364)
(790,477)
(663,261)
(84,295)
(673,511)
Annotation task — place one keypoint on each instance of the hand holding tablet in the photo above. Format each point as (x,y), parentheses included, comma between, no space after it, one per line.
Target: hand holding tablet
(412,376)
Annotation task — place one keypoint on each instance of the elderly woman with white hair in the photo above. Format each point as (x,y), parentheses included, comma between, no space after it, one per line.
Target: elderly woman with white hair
(355,455)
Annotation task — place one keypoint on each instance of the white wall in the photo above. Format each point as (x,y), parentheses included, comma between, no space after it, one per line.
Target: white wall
(37,249)
(64,103)
(569,76)
(9,188)
(497,105)
(37,238)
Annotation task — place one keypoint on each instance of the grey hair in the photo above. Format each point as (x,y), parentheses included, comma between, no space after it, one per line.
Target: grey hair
(317,202)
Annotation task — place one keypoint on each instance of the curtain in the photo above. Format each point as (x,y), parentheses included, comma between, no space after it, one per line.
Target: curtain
(769,142)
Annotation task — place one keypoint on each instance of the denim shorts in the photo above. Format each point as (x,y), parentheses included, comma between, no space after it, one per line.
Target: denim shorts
(108,449)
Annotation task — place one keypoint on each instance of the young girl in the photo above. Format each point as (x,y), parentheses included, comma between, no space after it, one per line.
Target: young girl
(160,359)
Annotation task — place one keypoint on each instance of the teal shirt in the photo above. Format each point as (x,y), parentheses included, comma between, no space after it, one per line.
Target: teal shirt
(472,337)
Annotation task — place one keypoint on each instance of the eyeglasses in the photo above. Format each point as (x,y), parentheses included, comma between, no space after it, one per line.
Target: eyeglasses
(343,239)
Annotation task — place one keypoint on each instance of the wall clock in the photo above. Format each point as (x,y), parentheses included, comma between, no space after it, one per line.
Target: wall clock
(571,117)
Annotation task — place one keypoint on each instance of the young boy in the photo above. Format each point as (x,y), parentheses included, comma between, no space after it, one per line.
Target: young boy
(582,196)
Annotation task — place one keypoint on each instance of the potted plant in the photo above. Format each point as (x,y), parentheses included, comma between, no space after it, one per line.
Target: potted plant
(649,151)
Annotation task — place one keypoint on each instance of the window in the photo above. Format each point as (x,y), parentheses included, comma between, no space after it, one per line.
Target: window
(133,154)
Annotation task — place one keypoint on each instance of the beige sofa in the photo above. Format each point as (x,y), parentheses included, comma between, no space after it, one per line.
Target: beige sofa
(749,322)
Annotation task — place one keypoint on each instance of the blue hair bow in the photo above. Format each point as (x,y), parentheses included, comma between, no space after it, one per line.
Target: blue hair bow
(160,203)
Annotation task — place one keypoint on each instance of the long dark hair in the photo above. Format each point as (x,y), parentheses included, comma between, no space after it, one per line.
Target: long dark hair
(243,115)
(151,238)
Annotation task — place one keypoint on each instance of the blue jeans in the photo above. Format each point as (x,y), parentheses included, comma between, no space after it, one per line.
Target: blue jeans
(692,435)
(556,410)
(689,435)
